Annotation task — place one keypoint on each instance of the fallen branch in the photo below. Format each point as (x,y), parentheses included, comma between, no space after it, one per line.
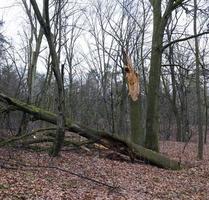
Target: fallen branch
(17,138)
(14,166)
(113,142)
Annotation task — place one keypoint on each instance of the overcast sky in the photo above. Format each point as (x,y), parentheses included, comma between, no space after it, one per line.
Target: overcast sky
(12,14)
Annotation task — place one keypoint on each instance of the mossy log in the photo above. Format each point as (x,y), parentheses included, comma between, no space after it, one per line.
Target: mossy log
(111,141)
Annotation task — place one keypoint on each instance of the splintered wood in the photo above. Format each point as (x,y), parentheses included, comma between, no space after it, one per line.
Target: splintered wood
(132,77)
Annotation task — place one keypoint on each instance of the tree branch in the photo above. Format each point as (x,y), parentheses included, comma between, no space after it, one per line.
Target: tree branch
(14,139)
(16,164)
(183,39)
(38,13)
(177,4)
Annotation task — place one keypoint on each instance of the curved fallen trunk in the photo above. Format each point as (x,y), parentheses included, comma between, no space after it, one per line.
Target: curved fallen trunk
(108,140)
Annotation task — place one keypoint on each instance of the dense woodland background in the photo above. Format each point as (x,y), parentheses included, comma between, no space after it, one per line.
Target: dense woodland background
(88,38)
(70,61)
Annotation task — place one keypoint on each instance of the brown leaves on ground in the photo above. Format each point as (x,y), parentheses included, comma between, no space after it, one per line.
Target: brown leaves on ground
(29,175)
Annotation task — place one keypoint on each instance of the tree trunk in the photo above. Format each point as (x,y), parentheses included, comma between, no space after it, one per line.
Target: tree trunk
(206,109)
(137,132)
(110,141)
(159,23)
(174,94)
(152,121)
(32,64)
(198,85)
(45,25)
(122,119)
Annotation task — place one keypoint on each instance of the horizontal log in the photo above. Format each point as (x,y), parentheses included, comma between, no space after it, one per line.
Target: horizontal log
(111,141)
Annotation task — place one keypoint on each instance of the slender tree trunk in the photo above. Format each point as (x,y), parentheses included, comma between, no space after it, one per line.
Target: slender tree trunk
(122,124)
(60,102)
(45,24)
(32,67)
(184,114)
(198,86)
(174,96)
(32,62)
(206,110)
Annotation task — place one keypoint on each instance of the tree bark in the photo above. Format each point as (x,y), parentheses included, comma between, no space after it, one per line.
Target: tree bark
(198,86)
(122,124)
(113,142)
(45,24)
(137,131)
(159,23)
(152,121)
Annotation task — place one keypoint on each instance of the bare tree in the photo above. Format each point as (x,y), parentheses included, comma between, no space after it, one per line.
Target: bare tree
(159,23)
(45,25)
(198,85)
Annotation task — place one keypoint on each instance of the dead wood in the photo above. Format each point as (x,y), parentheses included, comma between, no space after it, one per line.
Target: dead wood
(111,141)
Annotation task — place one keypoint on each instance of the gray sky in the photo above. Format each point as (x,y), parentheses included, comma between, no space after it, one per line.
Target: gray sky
(12,14)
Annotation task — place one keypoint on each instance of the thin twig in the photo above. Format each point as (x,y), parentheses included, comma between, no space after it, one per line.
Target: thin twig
(62,170)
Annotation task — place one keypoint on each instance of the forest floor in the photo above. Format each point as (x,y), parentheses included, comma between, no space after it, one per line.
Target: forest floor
(89,175)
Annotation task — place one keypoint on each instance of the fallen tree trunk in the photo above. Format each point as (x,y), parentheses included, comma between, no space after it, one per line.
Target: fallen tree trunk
(18,138)
(108,140)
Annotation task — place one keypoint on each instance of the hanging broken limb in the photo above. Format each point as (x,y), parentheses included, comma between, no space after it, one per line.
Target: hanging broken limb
(113,142)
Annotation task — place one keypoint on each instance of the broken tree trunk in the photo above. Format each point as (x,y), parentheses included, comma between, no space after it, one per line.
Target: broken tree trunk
(108,140)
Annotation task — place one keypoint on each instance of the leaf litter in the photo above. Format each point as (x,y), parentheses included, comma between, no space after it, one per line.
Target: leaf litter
(78,174)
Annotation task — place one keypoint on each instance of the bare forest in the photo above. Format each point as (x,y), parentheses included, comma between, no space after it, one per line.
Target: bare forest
(105,99)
